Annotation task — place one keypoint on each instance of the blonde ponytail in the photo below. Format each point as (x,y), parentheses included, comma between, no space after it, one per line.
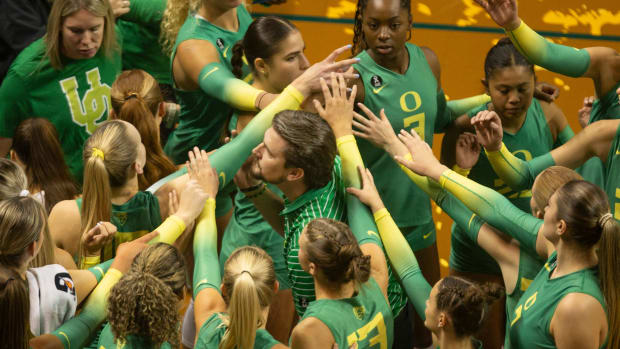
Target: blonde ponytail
(174,16)
(249,281)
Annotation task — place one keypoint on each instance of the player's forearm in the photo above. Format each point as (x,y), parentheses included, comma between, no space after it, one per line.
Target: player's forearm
(516,173)
(205,250)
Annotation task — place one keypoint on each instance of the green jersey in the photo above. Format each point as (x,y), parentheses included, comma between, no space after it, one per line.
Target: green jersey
(419,107)
(203,117)
(529,322)
(75,99)
(612,176)
(133,219)
(213,330)
(107,341)
(534,138)
(326,202)
(365,319)
(606,107)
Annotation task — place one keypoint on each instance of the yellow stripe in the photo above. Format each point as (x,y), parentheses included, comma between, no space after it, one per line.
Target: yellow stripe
(209,73)
(66,337)
(470,220)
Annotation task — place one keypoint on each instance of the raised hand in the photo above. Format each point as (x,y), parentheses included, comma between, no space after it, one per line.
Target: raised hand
(489,132)
(308,82)
(193,199)
(199,169)
(96,238)
(423,162)
(503,12)
(338,111)
(119,7)
(378,131)
(586,109)
(467,150)
(546,92)
(126,252)
(368,195)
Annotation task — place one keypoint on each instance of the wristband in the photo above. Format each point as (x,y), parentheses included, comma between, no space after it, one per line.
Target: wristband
(462,171)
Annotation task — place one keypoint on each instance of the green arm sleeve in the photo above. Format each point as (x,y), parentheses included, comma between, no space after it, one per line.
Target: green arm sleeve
(169,230)
(516,173)
(403,260)
(206,265)
(360,218)
(445,116)
(561,59)
(76,332)
(229,158)
(217,81)
(14,106)
(462,106)
(564,136)
(493,208)
(146,12)
(99,270)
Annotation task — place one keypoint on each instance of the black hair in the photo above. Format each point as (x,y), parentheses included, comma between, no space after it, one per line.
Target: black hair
(503,55)
(261,40)
(359,42)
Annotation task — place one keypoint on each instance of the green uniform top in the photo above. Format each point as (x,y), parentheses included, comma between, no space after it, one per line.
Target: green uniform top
(529,322)
(213,330)
(326,202)
(75,99)
(202,116)
(606,107)
(612,176)
(107,341)
(365,319)
(133,219)
(411,101)
(534,138)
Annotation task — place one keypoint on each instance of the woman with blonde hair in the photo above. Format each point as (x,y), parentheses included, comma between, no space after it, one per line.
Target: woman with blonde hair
(113,156)
(137,99)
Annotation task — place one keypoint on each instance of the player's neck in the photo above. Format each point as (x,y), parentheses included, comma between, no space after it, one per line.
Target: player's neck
(513,125)
(447,339)
(398,62)
(122,194)
(325,290)
(293,190)
(261,84)
(223,18)
(573,258)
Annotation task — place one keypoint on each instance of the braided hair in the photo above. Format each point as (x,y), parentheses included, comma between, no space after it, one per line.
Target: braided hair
(359,41)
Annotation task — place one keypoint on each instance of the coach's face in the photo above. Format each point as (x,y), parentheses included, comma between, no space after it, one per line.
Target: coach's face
(270,161)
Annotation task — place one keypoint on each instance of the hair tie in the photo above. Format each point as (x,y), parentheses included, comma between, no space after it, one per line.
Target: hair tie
(604,218)
(131,95)
(6,282)
(246,271)
(98,153)
(24,192)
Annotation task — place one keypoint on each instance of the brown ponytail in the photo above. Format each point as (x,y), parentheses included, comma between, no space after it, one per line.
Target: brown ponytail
(335,251)
(142,302)
(237,60)
(136,98)
(15,305)
(585,209)
(36,144)
(249,286)
(109,154)
(466,303)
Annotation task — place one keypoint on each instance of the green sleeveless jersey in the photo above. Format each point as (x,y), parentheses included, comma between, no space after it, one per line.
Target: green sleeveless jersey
(612,176)
(533,139)
(365,319)
(411,101)
(213,330)
(606,107)
(203,117)
(107,341)
(529,322)
(133,219)
(75,99)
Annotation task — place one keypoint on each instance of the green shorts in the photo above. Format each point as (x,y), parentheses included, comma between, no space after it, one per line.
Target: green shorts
(420,236)
(260,235)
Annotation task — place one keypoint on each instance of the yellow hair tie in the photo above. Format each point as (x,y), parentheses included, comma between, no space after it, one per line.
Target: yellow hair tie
(98,153)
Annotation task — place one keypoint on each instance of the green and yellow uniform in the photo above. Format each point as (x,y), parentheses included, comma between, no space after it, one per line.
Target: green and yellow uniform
(213,330)
(203,116)
(141,48)
(411,101)
(531,319)
(75,99)
(133,219)
(534,138)
(612,176)
(365,318)
(107,341)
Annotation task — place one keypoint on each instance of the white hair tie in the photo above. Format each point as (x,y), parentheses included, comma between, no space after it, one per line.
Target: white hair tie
(24,192)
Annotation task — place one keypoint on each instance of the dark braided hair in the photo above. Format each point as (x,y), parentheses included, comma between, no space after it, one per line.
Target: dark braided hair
(359,41)
(503,55)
